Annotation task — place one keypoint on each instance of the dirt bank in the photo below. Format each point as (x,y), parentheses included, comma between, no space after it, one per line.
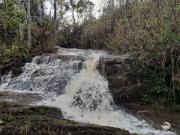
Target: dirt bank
(155,116)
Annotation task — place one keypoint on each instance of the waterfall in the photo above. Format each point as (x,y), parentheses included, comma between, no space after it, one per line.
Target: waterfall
(78,89)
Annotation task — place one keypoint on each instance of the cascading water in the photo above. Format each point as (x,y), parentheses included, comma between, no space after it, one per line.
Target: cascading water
(78,89)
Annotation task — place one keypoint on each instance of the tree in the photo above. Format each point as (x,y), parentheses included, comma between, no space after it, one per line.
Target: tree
(84,8)
(55,11)
(29,22)
(12,15)
(73,6)
(42,9)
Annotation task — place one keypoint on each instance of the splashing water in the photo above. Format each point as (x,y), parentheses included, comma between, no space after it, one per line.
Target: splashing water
(78,89)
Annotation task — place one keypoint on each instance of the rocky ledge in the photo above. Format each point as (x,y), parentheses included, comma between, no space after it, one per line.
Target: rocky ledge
(124,77)
(26,120)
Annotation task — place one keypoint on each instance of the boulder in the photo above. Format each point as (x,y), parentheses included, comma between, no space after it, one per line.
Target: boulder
(124,77)
(27,120)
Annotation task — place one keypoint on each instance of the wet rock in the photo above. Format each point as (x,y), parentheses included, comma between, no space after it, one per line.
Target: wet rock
(45,121)
(1,122)
(20,98)
(154,116)
(144,113)
(124,77)
(38,73)
(16,70)
(51,57)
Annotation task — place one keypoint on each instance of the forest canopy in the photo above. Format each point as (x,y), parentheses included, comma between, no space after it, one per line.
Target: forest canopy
(149,28)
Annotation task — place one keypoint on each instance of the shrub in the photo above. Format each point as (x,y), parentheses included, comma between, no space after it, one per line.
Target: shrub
(15,54)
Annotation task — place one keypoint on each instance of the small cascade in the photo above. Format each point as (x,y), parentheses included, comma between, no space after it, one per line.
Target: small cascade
(5,80)
(75,85)
(42,76)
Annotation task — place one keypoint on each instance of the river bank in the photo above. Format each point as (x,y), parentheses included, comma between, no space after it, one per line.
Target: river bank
(155,116)
(74,80)
(27,120)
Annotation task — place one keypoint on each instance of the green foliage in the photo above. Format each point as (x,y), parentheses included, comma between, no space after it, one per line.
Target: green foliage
(43,38)
(94,34)
(150,28)
(11,16)
(7,118)
(11,13)
(146,26)
(83,5)
(18,52)
(13,32)
(146,99)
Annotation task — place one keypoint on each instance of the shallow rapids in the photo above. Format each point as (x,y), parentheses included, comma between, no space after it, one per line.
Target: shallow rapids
(71,81)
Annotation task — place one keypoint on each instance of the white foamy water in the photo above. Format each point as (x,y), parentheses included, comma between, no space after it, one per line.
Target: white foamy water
(78,89)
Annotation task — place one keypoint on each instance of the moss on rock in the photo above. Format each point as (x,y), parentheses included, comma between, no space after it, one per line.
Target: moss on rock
(27,120)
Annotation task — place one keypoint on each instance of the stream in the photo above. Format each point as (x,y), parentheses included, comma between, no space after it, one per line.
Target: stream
(70,80)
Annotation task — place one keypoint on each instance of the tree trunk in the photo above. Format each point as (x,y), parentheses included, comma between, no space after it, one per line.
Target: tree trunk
(73,16)
(172,75)
(72,3)
(55,22)
(20,32)
(29,22)
(55,12)
(174,12)
(42,9)
(5,32)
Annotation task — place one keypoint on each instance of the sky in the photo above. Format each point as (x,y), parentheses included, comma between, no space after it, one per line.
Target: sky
(98,6)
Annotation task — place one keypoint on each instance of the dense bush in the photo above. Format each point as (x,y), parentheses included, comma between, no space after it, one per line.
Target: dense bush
(94,34)
(15,54)
(13,33)
(11,18)
(151,29)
